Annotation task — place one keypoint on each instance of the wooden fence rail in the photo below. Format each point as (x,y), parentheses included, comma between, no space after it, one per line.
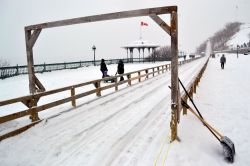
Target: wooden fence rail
(191,87)
(31,101)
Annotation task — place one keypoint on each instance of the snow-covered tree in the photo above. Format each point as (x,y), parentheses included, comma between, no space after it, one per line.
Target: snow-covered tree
(4,63)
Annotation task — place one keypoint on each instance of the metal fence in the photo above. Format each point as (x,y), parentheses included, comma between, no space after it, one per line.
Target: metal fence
(11,71)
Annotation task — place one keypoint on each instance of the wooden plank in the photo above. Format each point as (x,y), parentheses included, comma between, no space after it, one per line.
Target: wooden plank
(103,17)
(39,85)
(62,101)
(15,100)
(13,116)
(34,37)
(161,23)
(18,131)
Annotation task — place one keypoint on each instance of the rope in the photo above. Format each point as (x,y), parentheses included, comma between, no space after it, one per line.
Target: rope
(166,155)
(161,149)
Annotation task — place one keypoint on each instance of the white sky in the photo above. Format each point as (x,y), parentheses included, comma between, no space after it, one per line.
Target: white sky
(197,21)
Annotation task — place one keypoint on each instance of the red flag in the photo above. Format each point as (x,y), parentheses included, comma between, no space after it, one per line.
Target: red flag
(144,23)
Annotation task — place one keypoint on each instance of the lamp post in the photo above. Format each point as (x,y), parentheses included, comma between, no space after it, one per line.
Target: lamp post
(94,48)
(238,51)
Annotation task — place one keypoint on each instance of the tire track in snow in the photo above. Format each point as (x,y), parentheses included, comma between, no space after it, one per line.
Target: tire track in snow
(94,134)
(66,138)
(101,133)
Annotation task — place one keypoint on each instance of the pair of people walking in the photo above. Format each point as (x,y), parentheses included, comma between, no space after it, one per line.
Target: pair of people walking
(104,69)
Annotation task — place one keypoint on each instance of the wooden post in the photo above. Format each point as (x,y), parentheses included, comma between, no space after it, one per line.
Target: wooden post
(139,75)
(33,113)
(98,91)
(184,108)
(30,63)
(174,75)
(30,39)
(153,72)
(73,101)
(194,86)
(116,85)
(129,81)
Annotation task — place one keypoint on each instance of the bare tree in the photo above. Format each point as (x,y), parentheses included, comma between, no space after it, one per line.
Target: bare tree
(161,54)
(220,38)
(4,63)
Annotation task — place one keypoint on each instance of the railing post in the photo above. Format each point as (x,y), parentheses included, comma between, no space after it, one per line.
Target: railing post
(73,101)
(158,70)
(129,81)
(17,69)
(184,108)
(139,75)
(146,74)
(33,113)
(116,84)
(44,67)
(153,72)
(194,86)
(98,90)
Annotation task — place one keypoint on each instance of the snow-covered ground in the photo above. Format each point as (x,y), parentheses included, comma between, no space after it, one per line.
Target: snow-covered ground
(131,126)
(223,99)
(116,129)
(243,36)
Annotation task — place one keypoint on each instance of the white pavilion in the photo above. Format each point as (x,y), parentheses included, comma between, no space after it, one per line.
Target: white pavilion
(141,45)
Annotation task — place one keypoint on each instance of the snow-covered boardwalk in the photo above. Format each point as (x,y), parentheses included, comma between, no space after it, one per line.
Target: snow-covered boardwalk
(122,128)
(131,126)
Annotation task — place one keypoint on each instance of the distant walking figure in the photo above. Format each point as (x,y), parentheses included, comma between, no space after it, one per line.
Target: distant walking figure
(222,61)
(120,69)
(104,69)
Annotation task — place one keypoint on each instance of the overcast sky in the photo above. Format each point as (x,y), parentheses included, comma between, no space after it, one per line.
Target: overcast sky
(198,19)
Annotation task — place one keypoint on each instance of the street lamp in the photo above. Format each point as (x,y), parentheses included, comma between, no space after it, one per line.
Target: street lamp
(94,48)
(238,51)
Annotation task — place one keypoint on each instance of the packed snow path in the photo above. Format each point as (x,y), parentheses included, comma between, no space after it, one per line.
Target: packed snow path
(121,128)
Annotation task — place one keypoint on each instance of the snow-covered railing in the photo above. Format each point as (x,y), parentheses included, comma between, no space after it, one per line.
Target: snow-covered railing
(191,87)
(31,101)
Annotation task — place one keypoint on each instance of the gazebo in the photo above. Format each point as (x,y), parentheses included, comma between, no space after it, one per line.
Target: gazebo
(140,45)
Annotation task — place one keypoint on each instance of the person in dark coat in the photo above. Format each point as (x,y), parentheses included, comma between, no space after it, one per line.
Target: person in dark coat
(104,69)
(120,69)
(222,61)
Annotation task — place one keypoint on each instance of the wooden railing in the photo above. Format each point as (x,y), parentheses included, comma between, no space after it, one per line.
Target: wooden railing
(191,87)
(31,101)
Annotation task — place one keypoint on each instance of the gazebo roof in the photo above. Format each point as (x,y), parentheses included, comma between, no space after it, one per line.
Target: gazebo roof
(141,44)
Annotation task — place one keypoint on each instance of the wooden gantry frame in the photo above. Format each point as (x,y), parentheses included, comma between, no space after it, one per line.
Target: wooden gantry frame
(32,33)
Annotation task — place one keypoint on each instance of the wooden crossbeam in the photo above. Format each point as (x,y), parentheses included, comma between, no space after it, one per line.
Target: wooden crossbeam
(34,37)
(161,23)
(103,17)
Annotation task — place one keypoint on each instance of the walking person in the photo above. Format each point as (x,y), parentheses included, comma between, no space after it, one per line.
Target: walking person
(120,69)
(104,69)
(222,61)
